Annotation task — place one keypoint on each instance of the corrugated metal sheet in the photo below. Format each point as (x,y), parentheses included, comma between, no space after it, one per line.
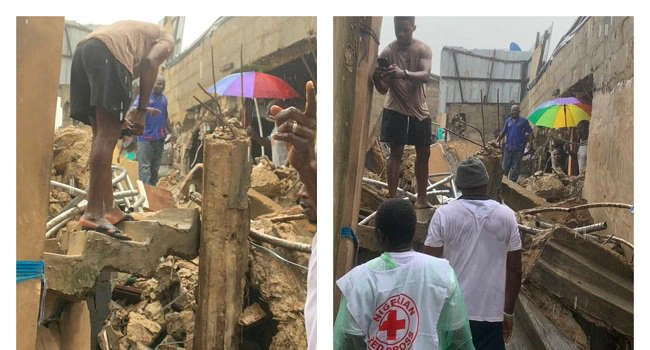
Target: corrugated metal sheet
(475,67)
(73,32)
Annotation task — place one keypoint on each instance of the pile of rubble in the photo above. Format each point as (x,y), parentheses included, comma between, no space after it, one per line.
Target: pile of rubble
(164,316)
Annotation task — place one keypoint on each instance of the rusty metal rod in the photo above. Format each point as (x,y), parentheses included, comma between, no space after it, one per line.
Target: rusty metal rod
(464,138)
(301,247)
(479,131)
(576,208)
(288,218)
(220,118)
(213,98)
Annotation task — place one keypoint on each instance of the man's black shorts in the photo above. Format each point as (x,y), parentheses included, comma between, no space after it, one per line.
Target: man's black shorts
(405,130)
(98,79)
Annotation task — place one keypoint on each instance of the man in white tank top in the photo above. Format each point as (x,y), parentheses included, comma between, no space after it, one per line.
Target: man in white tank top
(402,299)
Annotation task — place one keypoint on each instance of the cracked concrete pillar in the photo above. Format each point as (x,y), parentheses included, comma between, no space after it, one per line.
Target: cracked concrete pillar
(224,241)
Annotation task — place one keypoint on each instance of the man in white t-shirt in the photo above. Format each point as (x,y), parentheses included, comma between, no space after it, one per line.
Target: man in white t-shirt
(480,238)
(402,299)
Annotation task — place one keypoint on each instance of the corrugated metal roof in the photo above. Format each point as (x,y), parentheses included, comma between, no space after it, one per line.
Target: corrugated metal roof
(480,69)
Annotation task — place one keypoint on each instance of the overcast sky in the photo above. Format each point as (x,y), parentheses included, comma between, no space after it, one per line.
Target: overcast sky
(194,25)
(479,32)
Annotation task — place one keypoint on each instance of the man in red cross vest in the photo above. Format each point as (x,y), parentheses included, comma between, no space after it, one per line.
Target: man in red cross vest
(402,299)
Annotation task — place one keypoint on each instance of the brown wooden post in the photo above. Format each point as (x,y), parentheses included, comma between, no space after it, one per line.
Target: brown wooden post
(224,241)
(39,41)
(355,58)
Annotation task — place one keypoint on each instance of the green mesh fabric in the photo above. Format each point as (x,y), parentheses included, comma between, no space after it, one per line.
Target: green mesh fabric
(453,324)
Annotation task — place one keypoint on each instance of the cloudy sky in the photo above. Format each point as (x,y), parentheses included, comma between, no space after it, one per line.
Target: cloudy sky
(479,32)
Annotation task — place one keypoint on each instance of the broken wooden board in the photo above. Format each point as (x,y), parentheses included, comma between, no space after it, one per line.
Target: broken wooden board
(158,198)
(589,279)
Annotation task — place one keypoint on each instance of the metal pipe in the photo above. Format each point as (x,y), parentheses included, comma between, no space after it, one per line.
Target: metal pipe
(446,179)
(66,214)
(288,218)
(368,218)
(72,189)
(576,208)
(51,233)
(453,188)
(592,228)
(379,183)
(138,204)
(121,188)
(119,177)
(438,192)
(530,230)
(122,194)
(301,247)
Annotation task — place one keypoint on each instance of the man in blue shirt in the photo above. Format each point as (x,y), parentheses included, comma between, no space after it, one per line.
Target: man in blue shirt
(516,131)
(156,130)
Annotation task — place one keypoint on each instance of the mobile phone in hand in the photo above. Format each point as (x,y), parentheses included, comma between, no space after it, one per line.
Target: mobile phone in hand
(383,62)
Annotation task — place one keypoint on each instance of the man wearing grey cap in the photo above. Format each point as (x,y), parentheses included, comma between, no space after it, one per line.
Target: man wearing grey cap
(480,238)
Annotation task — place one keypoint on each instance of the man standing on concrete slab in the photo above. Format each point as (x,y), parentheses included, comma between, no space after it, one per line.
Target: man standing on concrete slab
(403,71)
(480,238)
(156,133)
(298,129)
(103,67)
(402,299)
(516,130)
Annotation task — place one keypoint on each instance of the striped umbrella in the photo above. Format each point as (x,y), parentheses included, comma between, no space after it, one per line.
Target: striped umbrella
(256,85)
(562,112)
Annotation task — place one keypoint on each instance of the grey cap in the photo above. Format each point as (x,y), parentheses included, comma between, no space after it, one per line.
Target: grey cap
(471,173)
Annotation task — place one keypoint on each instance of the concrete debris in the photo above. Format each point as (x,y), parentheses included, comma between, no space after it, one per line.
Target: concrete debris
(140,330)
(70,156)
(548,186)
(251,315)
(73,275)
(282,287)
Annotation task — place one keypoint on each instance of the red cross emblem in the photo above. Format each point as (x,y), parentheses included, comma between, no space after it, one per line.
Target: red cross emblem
(395,324)
(391,325)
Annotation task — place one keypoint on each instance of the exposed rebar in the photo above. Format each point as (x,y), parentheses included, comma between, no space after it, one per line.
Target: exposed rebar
(301,247)
(576,208)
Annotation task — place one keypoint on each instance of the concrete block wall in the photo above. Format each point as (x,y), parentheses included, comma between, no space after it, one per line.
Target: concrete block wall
(603,47)
(260,37)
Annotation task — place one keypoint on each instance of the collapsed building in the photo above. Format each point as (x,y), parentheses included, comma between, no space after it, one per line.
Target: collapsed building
(576,229)
(220,246)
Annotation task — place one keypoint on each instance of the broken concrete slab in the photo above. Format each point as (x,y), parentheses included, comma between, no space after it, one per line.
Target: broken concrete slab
(518,197)
(533,330)
(548,186)
(180,324)
(140,330)
(591,280)
(251,315)
(260,204)
(264,181)
(169,232)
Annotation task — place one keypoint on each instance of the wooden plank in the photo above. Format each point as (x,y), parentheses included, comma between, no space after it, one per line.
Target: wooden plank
(355,57)
(39,42)
(224,243)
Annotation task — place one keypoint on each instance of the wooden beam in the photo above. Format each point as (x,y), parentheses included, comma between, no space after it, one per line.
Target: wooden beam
(39,42)
(355,56)
(224,242)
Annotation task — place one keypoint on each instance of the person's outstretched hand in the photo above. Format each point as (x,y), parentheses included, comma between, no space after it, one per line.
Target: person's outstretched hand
(298,129)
